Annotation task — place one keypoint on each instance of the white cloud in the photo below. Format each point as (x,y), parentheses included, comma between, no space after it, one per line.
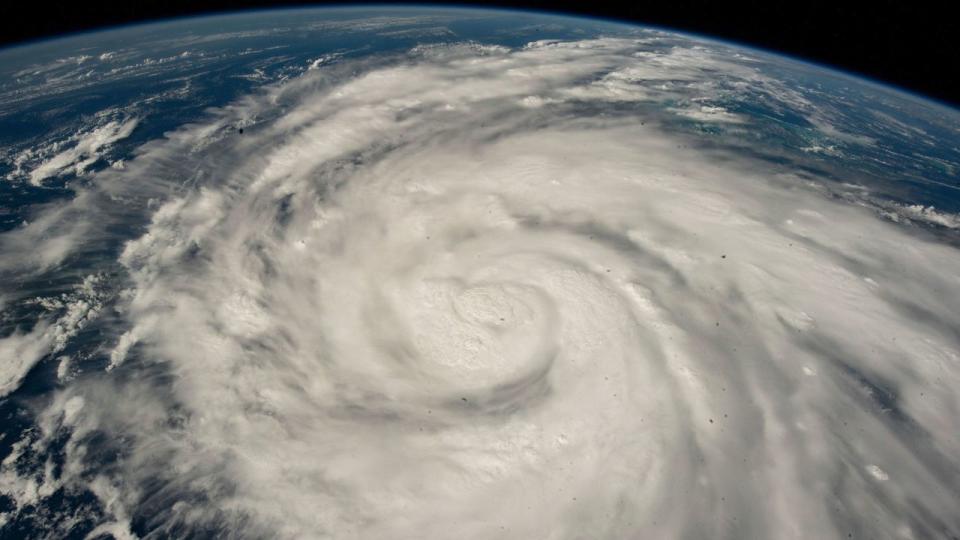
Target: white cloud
(19,352)
(927,214)
(709,113)
(415,302)
(85,152)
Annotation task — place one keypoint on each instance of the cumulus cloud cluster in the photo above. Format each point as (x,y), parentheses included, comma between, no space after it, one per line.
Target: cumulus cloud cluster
(65,315)
(471,292)
(74,155)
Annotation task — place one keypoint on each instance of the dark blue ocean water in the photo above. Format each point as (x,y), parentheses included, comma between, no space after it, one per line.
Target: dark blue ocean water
(897,147)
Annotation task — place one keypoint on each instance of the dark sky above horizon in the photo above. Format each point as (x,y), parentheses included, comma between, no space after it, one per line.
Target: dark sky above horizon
(908,44)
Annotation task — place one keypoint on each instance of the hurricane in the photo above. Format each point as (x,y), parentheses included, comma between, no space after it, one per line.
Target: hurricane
(484,291)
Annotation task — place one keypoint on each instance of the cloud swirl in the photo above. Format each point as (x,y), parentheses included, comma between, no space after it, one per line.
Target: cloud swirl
(473,292)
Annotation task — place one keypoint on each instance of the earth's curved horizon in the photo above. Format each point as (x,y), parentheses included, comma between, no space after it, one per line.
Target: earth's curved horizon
(862,77)
(425,272)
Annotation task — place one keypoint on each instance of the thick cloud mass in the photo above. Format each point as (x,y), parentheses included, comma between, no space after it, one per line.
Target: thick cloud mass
(469,293)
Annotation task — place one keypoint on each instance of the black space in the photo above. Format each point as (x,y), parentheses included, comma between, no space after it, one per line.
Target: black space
(909,43)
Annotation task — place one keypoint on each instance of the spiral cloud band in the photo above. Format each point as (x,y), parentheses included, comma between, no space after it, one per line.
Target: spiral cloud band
(479,292)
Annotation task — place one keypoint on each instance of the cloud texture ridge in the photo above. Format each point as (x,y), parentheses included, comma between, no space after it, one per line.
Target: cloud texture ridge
(470,292)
